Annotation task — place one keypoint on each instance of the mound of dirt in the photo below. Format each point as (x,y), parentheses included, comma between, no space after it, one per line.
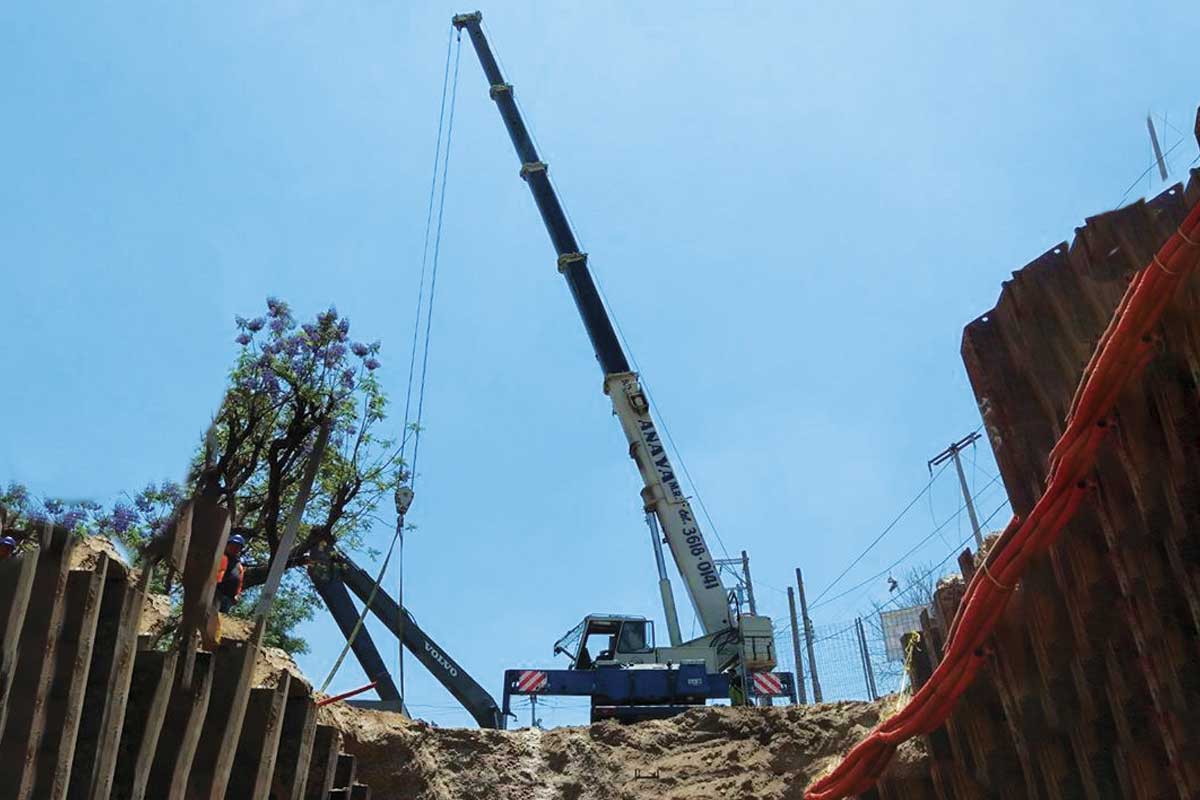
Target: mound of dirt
(86,551)
(714,752)
(157,616)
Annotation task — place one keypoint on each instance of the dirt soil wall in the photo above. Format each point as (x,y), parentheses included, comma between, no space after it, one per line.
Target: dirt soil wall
(715,752)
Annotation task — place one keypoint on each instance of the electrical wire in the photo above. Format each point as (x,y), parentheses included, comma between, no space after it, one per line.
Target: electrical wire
(953,553)
(1148,169)
(913,549)
(1123,352)
(885,532)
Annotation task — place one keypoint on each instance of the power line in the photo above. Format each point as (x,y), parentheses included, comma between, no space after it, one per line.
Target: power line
(912,550)
(879,538)
(1146,172)
(953,553)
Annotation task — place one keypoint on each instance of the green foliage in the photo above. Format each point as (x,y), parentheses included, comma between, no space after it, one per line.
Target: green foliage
(287,381)
(294,603)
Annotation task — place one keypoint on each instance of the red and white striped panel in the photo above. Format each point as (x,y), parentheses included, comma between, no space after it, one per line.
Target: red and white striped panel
(531,681)
(767,683)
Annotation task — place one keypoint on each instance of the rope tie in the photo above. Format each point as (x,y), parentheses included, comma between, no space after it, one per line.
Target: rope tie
(992,578)
(1184,236)
(1163,266)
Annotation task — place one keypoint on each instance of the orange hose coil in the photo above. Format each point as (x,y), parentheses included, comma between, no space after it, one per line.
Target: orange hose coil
(1125,348)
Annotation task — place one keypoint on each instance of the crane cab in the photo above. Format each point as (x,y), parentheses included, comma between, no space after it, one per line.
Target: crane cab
(608,640)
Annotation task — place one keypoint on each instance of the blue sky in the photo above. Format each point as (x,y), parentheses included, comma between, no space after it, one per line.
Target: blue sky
(793,209)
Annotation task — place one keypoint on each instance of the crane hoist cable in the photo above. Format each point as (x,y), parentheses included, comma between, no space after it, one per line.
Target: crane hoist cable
(439,160)
(1126,347)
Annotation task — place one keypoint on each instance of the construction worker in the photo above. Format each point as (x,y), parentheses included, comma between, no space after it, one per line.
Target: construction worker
(231,573)
(7,545)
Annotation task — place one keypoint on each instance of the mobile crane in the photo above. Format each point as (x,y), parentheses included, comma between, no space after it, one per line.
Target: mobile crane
(631,678)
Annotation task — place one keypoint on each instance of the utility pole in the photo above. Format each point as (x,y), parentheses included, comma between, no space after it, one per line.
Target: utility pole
(1158,155)
(796,647)
(808,639)
(952,452)
(868,669)
(749,583)
(743,591)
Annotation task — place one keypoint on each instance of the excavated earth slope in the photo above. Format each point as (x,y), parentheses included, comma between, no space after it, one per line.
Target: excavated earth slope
(714,752)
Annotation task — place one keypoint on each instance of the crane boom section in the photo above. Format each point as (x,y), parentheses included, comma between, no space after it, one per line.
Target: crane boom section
(572,263)
(448,672)
(662,493)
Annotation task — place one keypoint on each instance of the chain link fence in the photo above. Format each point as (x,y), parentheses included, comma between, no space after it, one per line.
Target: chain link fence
(858,659)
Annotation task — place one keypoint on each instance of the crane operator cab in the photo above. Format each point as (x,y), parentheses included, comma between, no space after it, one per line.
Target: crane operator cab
(608,640)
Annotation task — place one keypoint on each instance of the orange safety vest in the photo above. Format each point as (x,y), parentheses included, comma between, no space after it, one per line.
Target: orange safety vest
(241,572)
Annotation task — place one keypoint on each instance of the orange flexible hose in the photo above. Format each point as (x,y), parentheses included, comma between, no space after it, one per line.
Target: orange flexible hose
(1124,350)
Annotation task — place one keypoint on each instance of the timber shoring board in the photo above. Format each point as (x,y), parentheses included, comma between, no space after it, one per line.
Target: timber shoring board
(233,673)
(145,711)
(1089,689)
(187,710)
(295,748)
(1094,653)
(323,763)
(207,532)
(108,687)
(65,700)
(258,745)
(347,767)
(16,585)
(34,669)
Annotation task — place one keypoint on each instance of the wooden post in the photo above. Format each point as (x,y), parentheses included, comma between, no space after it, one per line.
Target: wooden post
(868,672)
(279,560)
(800,689)
(808,639)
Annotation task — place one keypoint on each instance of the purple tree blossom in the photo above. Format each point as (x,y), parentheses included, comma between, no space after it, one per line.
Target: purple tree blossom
(334,354)
(348,379)
(371,364)
(359,349)
(243,339)
(72,518)
(255,325)
(123,517)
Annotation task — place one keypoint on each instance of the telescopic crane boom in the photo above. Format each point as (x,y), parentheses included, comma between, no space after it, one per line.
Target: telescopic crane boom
(663,496)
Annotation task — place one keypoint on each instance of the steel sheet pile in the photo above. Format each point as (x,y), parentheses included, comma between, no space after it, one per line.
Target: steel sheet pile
(1126,347)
